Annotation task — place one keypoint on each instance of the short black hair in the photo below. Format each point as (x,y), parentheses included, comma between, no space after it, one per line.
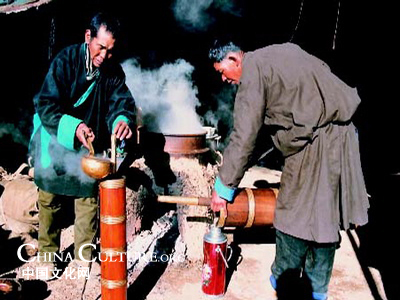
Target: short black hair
(221,48)
(110,22)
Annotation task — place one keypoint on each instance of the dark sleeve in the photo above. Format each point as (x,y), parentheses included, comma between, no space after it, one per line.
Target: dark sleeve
(249,114)
(51,99)
(48,101)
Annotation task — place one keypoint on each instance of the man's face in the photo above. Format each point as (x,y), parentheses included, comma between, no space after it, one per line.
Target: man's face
(230,68)
(100,47)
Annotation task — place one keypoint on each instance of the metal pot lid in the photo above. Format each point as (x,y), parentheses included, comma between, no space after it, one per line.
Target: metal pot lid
(215,236)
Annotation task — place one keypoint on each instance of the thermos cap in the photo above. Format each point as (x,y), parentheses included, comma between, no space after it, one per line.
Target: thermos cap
(215,236)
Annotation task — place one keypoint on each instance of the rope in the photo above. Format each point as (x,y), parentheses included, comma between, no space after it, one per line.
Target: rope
(113,183)
(298,20)
(252,208)
(113,284)
(111,220)
(336,27)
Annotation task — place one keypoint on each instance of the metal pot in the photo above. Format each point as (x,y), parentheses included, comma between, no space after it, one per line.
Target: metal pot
(185,144)
(96,167)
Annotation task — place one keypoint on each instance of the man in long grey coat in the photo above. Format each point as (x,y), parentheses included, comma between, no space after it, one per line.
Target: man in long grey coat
(308,110)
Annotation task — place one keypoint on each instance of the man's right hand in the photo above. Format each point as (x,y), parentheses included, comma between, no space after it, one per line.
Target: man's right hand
(84,134)
(218,203)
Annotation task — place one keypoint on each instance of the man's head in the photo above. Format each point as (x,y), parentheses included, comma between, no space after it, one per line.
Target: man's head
(101,36)
(227,59)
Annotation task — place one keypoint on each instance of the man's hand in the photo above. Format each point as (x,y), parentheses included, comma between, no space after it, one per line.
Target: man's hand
(84,134)
(122,131)
(218,203)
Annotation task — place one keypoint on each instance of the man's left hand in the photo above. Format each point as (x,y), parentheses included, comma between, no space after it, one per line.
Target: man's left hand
(122,131)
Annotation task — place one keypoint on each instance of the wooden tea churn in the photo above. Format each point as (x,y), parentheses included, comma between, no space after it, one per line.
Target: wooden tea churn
(113,239)
(251,207)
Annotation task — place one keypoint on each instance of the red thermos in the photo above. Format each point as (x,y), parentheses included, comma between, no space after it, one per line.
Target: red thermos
(214,264)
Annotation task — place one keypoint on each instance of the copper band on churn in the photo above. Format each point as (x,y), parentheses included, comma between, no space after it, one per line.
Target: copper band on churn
(113,239)
(252,208)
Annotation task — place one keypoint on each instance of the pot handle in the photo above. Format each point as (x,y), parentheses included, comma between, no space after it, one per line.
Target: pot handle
(91,149)
(218,250)
(221,158)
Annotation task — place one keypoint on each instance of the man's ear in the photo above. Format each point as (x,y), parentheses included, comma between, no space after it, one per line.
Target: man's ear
(87,36)
(234,57)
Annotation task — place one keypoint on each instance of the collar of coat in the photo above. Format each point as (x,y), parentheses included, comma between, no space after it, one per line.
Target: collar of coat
(91,71)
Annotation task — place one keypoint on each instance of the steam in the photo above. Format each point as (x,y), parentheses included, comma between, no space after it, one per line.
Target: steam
(222,117)
(197,16)
(15,132)
(167,96)
(70,161)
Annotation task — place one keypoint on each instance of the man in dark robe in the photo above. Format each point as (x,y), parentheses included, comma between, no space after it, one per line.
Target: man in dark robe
(308,111)
(83,98)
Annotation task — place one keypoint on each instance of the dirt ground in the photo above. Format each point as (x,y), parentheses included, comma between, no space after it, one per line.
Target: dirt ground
(251,278)
(253,252)
(248,281)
